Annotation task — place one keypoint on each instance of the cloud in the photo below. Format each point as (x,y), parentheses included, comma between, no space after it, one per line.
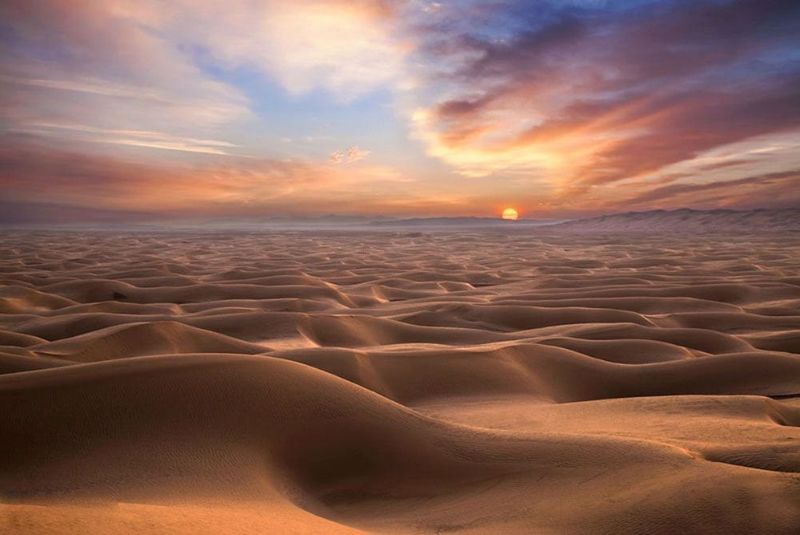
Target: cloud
(350,155)
(65,181)
(133,138)
(148,66)
(582,94)
(346,48)
(42,184)
(100,67)
(775,190)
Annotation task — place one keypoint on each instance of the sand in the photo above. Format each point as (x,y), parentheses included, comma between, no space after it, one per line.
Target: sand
(536,381)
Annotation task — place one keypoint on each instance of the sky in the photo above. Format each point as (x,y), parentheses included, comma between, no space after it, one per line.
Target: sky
(145,110)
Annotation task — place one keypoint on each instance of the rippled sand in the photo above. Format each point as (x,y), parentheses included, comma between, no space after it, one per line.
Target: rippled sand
(399,382)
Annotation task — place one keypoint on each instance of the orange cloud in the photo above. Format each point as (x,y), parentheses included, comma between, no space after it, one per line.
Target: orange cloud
(224,186)
(583,98)
(349,155)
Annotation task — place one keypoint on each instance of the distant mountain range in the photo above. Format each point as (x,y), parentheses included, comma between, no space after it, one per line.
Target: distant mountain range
(688,220)
(363,222)
(459,222)
(682,220)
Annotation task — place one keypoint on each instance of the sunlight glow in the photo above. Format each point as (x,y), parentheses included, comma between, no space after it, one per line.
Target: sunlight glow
(510,214)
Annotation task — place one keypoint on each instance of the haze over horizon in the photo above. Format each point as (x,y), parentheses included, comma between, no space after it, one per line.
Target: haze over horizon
(144,110)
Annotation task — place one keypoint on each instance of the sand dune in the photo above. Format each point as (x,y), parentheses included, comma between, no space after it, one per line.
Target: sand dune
(463,381)
(17,299)
(141,339)
(12,361)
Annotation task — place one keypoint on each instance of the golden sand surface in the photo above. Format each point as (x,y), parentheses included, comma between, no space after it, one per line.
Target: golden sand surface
(399,382)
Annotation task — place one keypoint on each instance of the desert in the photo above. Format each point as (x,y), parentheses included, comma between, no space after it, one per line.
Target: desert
(400,267)
(435,381)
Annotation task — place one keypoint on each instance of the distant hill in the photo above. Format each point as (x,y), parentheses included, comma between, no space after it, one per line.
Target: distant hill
(365,222)
(458,222)
(688,220)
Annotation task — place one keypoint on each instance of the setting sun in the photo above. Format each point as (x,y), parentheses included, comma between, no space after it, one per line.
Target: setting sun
(510,214)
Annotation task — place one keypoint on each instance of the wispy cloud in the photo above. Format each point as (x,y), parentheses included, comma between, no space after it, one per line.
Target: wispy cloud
(101,65)
(223,186)
(350,155)
(132,138)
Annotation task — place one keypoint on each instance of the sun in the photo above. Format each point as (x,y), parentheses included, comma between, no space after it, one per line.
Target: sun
(510,214)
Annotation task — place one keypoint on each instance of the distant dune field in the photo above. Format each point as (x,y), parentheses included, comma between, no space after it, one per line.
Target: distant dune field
(456,381)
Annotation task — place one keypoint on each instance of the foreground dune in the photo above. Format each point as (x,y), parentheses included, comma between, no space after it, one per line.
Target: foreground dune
(399,383)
